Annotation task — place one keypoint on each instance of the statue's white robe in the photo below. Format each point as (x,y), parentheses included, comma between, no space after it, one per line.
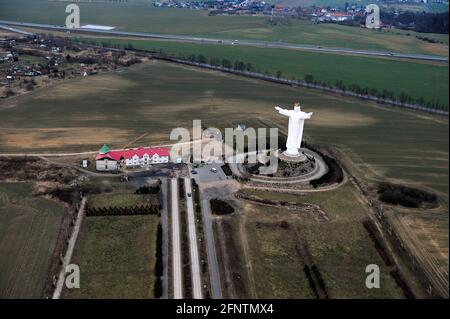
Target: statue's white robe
(295,129)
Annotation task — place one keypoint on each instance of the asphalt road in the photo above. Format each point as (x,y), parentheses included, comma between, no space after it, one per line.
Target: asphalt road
(193,247)
(176,242)
(205,174)
(254,43)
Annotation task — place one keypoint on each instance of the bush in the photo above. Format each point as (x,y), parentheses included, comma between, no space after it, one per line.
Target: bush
(334,175)
(9,93)
(405,196)
(157,289)
(29,87)
(219,207)
(148,189)
(64,194)
(226,169)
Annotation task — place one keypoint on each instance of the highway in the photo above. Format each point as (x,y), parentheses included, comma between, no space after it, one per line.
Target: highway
(253,43)
(193,247)
(4,27)
(176,242)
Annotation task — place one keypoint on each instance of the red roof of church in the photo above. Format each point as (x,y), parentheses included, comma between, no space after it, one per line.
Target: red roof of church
(131,152)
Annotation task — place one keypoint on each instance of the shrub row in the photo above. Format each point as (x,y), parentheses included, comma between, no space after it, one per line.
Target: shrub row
(334,175)
(157,289)
(123,211)
(148,189)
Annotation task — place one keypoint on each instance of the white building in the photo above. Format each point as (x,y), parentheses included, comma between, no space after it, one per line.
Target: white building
(108,160)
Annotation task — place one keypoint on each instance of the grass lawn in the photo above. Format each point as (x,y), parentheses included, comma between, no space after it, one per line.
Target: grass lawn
(28,231)
(121,200)
(340,248)
(334,35)
(116,256)
(140,15)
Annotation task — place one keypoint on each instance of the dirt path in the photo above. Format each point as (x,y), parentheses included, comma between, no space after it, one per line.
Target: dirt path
(248,261)
(70,250)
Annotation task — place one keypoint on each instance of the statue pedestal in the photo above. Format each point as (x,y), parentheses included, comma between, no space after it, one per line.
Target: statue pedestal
(291,158)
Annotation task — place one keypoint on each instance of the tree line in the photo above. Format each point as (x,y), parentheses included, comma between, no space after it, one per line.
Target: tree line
(417,21)
(242,66)
(403,97)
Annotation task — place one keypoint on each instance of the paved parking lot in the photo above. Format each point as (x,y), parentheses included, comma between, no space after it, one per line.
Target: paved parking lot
(205,175)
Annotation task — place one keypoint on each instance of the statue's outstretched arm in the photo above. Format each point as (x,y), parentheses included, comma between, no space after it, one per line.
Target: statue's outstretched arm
(306,116)
(282,111)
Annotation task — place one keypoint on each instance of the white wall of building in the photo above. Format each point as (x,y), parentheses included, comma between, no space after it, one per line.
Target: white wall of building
(105,165)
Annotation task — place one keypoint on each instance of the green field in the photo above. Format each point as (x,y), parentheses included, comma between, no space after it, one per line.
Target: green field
(29,228)
(121,200)
(116,256)
(418,79)
(340,248)
(139,15)
(334,35)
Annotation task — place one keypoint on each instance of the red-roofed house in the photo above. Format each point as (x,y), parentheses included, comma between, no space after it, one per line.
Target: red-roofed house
(339,16)
(108,160)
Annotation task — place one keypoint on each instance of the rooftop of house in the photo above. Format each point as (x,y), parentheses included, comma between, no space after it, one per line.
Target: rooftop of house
(130,153)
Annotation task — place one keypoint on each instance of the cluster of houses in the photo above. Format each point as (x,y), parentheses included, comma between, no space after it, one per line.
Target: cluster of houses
(16,68)
(334,15)
(8,57)
(218,6)
(111,160)
(258,7)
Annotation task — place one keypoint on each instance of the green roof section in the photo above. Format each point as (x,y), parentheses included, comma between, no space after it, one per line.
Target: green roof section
(104,149)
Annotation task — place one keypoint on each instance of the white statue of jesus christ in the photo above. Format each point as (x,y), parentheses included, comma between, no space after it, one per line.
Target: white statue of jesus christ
(296,120)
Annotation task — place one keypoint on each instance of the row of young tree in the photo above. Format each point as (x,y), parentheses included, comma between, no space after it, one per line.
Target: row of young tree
(157,288)
(385,94)
(123,211)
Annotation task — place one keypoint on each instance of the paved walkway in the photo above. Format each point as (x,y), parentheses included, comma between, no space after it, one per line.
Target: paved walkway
(176,243)
(193,247)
